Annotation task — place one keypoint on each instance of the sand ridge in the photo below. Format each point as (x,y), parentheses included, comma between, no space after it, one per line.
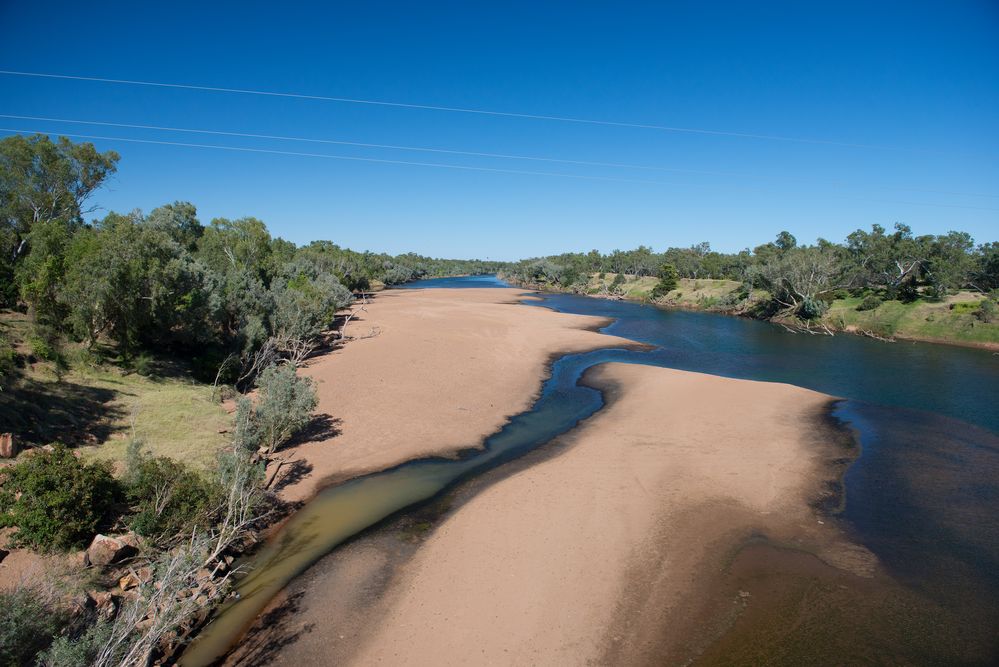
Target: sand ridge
(592,555)
(430,372)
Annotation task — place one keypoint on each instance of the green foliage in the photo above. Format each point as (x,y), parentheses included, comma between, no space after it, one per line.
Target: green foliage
(668,280)
(618,281)
(8,360)
(42,181)
(812,308)
(29,621)
(870,302)
(144,364)
(166,497)
(283,408)
(56,501)
(69,651)
(987,311)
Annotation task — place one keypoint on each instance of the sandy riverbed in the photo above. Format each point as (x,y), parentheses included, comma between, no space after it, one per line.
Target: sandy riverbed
(430,372)
(605,550)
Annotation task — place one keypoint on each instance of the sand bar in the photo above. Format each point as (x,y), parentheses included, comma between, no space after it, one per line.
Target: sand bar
(431,372)
(594,554)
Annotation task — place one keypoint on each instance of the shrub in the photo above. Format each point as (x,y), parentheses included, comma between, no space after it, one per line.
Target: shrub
(987,311)
(870,302)
(8,360)
(812,309)
(56,501)
(284,407)
(67,651)
(143,364)
(29,621)
(668,279)
(166,497)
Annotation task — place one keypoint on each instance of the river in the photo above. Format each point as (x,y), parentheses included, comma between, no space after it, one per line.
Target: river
(923,494)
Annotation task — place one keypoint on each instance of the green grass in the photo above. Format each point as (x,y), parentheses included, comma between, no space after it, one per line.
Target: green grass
(97,407)
(690,293)
(951,319)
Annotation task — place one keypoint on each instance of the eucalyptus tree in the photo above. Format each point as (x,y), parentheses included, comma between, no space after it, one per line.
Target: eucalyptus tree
(42,181)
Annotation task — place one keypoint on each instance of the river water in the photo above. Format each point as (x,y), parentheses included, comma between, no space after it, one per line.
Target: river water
(923,494)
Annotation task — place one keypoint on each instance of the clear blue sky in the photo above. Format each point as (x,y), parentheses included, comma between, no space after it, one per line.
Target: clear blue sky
(917,82)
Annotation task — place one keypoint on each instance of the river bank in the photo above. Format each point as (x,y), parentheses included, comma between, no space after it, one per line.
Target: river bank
(949,321)
(603,546)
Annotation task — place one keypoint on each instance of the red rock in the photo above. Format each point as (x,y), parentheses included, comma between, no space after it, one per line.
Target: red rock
(105,550)
(8,446)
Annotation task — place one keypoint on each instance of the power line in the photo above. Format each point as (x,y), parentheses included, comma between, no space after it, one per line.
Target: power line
(483,112)
(444,165)
(588,163)
(446,151)
(347,157)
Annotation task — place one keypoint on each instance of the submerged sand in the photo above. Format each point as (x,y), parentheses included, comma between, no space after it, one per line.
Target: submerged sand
(602,552)
(429,372)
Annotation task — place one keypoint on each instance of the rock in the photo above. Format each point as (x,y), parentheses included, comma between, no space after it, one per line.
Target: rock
(145,574)
(105,550)
(129,581)
(105,603)
(8,446)
(131,539)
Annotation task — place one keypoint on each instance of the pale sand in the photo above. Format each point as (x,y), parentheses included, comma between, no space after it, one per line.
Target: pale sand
(597,554)
(445,369)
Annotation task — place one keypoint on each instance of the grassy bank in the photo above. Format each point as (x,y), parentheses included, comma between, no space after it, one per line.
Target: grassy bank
(99,406)
(953,319)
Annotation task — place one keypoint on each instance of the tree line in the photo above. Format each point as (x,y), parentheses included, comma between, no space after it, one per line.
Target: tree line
(226,294)
(799,279)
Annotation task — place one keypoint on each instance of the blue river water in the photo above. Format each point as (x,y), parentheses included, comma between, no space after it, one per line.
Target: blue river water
(923,494)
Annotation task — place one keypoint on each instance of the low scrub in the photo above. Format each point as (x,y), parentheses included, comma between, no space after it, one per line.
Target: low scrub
(56,501)
(29,621)
(166,497)
(870,302)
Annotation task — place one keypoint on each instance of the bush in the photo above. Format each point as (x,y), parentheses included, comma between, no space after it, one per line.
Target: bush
(987,311)
(28,624)
(812,309)
(56,501)
(8,361)
(284,407)
(668,280)
(143,364)
(870,302)
(166,497)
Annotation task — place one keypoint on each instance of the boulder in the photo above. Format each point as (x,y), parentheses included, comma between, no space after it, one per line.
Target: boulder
(132,539)
(106,550)
(129,581)
(105,604)
(8,446)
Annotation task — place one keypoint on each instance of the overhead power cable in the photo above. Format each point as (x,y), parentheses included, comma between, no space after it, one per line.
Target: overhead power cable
(464,110)
(354,158)
(447,151)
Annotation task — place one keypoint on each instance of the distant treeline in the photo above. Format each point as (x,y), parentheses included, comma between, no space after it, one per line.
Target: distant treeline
(223,291)
(798,278)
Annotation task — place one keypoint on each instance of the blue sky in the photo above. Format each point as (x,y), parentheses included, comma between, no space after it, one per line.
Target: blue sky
(912,87)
